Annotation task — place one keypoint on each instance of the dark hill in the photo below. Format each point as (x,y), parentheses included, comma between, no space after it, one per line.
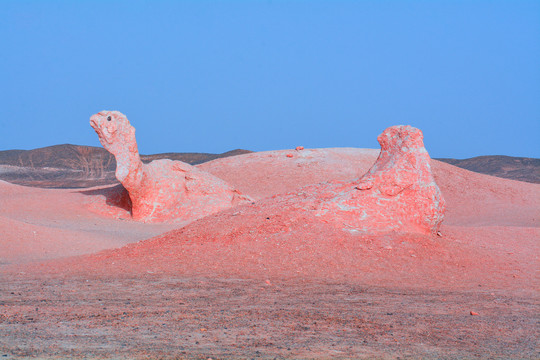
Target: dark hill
(75,166)
(508,167)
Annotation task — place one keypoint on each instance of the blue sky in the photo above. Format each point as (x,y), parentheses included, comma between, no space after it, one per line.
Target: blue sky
(212,76)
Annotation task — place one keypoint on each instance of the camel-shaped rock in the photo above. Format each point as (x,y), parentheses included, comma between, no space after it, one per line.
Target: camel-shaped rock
(163,189)
(398,193)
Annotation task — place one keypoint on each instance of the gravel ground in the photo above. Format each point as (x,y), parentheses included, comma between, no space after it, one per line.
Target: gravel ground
(172,317)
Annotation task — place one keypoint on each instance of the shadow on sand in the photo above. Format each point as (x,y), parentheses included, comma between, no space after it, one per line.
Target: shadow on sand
(115,195)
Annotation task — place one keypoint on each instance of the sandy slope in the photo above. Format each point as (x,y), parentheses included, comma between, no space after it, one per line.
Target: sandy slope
(44,224)
(490,230)
(72,222)
(473,198)
(268,173)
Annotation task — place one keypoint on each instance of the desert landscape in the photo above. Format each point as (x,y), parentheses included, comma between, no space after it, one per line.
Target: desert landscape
(296,180)
(81,278)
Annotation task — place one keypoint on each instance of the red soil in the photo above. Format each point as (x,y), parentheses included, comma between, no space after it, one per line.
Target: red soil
(486,261)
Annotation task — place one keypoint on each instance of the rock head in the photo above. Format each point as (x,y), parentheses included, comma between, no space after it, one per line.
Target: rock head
(163,189)
(398,193)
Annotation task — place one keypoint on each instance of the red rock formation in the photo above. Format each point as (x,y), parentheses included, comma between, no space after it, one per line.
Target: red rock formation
(163,189)
(398,193)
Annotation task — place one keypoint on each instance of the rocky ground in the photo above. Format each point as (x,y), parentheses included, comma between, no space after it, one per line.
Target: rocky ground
(154,316)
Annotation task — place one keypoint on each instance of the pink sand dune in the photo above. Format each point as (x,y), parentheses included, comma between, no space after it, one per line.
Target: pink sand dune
(490,233)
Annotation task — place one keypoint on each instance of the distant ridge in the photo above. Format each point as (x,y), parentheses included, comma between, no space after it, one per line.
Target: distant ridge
(508,167)
(77,166)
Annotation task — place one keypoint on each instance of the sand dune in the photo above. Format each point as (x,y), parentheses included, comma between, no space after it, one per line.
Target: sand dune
(86,223)
(38,224)
(272,239)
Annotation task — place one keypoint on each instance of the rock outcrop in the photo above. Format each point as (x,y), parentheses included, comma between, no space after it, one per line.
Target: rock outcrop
(398,193)
(163,189)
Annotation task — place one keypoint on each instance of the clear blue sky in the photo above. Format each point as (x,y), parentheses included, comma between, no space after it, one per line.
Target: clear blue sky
(211,76)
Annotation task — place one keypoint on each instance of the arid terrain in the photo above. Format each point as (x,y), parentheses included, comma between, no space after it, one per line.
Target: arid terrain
(77,166)
(80,279)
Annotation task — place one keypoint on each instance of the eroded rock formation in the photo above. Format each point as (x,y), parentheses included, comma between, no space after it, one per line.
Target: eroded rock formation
(398,193)
(163,189)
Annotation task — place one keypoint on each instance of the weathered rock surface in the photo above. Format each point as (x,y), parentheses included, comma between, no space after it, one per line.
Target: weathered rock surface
(163,189)
(398,193)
